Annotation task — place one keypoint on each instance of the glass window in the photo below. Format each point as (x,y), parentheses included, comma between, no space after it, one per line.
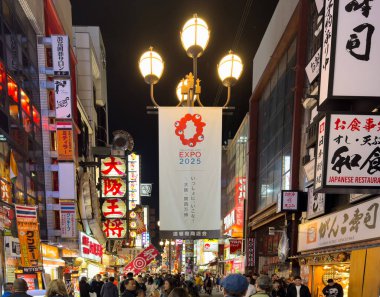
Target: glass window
(275,130)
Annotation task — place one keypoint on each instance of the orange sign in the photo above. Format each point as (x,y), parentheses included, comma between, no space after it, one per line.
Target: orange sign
(64,141)
(29,237)
(49,251)
(69,253)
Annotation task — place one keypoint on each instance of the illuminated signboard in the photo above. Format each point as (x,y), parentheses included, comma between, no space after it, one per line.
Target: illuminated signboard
(115,228)
(90,248)
(113,178)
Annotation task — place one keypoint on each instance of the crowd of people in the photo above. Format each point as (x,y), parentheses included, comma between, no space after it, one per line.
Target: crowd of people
(157,285)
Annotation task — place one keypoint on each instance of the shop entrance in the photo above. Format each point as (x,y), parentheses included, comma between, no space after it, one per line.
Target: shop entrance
(339,272)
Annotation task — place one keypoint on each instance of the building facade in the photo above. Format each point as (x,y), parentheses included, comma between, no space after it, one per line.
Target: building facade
(21,146)
(274,142)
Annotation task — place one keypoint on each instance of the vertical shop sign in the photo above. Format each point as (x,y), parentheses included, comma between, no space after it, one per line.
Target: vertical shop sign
(60,52)
(350,51)
(65,141)
(190,170)
(250,252)
(62,95)
(28,234)
(320,154)
(315,203)
(113,195)
(68,219)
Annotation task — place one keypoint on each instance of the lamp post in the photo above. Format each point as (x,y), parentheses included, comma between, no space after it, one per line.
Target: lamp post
(194,38)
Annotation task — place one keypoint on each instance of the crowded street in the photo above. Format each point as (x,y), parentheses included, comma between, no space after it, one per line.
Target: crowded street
(225,148)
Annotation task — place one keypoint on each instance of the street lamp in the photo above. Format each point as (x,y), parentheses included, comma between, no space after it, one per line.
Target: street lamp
(194,37)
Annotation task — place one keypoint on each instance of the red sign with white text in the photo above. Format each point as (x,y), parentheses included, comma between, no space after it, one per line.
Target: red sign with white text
(142,260)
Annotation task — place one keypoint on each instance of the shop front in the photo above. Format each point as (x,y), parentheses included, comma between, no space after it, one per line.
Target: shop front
(344,246)
(51,262)
(234,261)
(267,229)
(91,252)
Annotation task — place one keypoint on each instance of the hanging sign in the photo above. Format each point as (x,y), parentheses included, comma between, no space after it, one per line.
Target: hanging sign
(113,167)
(62,93)
(90,248)
(65,141)
(351,152)
(142,260)
(60,53)
(114,208)
(291,201)
(312,69)
(357,223)
(134,180)
(28,235)
(113,187)
(250,252)
(68,219)
(115,228)
(350,52)
(315,204)
(190,169)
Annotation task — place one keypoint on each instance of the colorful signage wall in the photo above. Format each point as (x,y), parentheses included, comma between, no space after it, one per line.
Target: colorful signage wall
(190,171)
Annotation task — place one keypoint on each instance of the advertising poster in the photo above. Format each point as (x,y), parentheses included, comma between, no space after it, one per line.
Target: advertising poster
(190,171)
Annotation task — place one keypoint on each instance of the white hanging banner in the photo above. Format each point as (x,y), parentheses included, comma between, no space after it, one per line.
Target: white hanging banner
(62,93)
(190,151)
(60,52)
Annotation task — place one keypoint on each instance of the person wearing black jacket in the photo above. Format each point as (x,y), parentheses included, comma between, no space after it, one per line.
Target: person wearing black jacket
(332,289)
(84,287)
(298,287)
(19,288)
(130,288)
(109,289)
(97,284)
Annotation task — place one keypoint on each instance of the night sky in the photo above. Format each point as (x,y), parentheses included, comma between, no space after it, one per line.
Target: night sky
(130,27)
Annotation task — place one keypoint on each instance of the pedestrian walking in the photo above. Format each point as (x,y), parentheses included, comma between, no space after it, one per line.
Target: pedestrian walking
(332,289)
(122,284)
(109,289)
(298,289)
(278,290)
(179,292)
(168,287)
(97,284)
(149,286)
(263,285)
(191,288)
(84,287)
(19,288)
(130,288)
(234,285)
(57,288)
(7,290)
(141,283)
(251,285)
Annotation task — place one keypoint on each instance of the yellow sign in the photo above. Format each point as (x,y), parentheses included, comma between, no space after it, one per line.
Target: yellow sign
(49,251)
(64,142)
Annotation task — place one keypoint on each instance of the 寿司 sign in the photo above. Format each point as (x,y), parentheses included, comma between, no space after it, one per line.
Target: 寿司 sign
(351,154)
(90,248)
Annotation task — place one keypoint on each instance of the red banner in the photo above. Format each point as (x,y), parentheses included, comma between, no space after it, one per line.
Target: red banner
(235,246)
(142,260)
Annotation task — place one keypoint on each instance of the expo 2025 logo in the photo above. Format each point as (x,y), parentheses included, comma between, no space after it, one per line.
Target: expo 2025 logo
(181,126)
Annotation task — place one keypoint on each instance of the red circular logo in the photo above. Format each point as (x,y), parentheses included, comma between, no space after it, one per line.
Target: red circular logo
(181,125)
